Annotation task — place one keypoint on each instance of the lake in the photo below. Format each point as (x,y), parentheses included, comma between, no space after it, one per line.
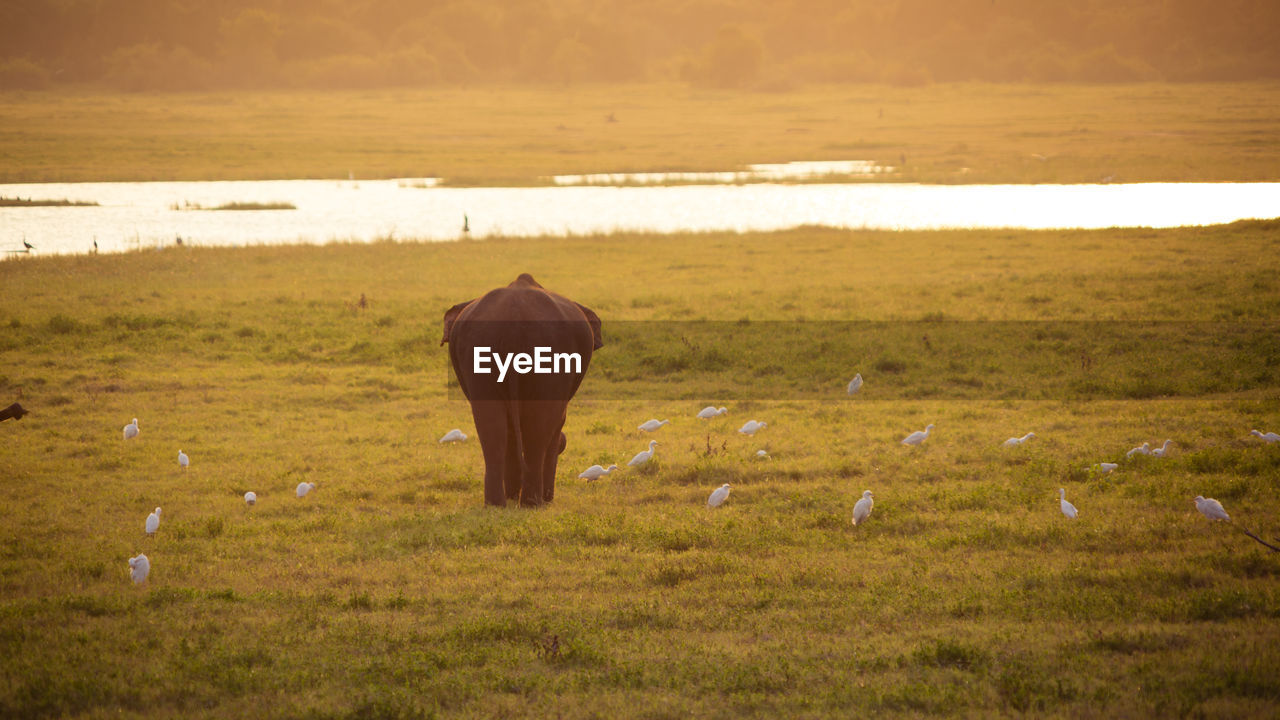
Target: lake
(144,215)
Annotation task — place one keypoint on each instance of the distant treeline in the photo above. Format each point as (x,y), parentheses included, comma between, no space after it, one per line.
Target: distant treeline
(201,44)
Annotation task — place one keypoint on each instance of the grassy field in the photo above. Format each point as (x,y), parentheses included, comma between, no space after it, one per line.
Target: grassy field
(955,133)
(391,592)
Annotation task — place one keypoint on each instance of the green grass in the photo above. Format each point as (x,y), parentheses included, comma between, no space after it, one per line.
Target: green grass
(945,133)
(392,592)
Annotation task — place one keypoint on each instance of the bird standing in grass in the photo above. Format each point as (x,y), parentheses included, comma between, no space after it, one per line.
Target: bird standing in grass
(643,456)
(139,568)
(1163,449)
(862,508)
(1267,436)
(651,425)
(131,430)
(153,522)
(1143,449)
(1106,467)
(250,498)
(1067,508)
(918,436)
(595,472)
(751,427)
(453,436)
(1015,442)
(710,412)
(1211,508)
(304,488)
(183,460)
(719,496)
(854,384)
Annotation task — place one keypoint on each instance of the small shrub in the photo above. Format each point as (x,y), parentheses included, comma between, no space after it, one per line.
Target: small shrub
(213,527)
(63,325)
(601,428)
(948,653)
(890,366)
(1216,606)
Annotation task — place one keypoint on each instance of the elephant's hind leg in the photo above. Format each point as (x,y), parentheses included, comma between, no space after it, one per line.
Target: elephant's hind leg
(512,473)
(491,426)
(549,467)
(540,436)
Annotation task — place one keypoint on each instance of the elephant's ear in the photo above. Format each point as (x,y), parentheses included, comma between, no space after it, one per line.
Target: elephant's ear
(450,315)
(595,326)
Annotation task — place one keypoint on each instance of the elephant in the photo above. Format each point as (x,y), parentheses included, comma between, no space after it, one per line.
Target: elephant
(519,409)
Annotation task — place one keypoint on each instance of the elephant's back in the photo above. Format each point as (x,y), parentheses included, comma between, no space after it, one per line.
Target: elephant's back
(518,320)
(530,309)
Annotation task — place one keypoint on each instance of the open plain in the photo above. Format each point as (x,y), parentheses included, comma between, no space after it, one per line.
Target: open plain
(390,591)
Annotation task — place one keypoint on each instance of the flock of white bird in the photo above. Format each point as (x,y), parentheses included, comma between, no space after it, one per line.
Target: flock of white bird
(595,472)
(140,566)
(1211,508)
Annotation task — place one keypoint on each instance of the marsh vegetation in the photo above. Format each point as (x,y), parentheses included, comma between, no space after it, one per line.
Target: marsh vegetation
(238,205)
(43,202)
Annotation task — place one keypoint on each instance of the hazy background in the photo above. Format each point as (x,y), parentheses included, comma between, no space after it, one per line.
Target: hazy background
(196,44)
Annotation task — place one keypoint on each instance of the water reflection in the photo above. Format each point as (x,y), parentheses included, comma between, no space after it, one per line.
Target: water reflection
(140,215)
(762,172)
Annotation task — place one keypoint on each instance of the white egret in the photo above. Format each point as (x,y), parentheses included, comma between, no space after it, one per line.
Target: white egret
(1160,451)
(651,425)
(751,427)
(710,411)
(1067,508)
(250,498)
(304,488)
(1015,442)
(862,508)
(139,568)
(854,384)
(131,430)
(1143,449)
(183,460)
(644,456)
(718,497)
(762,454)
(453,436)
(917,437)
(1267,436)
(595,472)
(1106,467)
(1211,508)
(153,522)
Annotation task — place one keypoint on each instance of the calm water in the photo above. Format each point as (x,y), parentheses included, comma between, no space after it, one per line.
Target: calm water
(801,170)
(142,215)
